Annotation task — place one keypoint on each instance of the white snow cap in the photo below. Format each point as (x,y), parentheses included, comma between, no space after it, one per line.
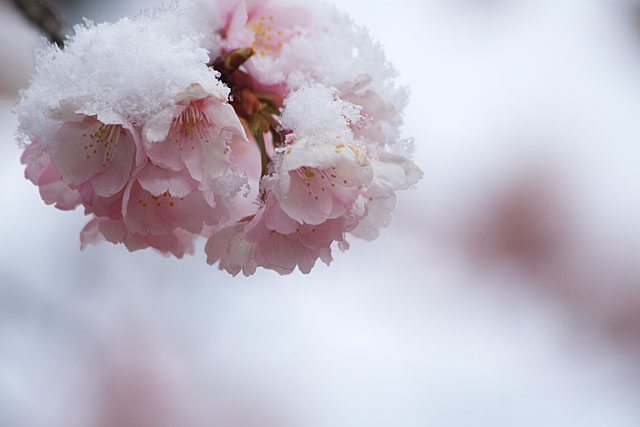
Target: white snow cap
(133,68)
(317,112)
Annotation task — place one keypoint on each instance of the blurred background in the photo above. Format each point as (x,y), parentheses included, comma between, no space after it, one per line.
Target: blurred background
(505,293)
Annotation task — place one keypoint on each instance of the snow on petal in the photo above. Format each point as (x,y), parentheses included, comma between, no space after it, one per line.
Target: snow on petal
(316,182)
(150,136)
(265,26)
(195,136)
(391,172)
(234,17)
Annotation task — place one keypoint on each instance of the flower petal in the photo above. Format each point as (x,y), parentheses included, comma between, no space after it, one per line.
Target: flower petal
(117,173)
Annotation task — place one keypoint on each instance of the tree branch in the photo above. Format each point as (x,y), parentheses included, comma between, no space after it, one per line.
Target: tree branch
(43,18)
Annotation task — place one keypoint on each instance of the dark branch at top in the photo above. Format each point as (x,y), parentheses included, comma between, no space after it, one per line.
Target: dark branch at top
(42,17)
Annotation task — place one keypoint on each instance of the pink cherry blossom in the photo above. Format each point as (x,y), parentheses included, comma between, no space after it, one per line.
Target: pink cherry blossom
(391,172)
(273,240)
(176,242)
(41,171)
(194,135)
(108,207)
(234,18)
(274,153)
(272,219)
(260,24)
(86,150)
(159,201)
(382,117)
(233,252)
(315,182)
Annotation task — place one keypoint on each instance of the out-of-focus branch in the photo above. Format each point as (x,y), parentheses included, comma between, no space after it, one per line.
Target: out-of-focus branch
(42,17)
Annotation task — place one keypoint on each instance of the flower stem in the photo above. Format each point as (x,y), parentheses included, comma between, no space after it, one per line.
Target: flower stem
(263,152)
(43,18)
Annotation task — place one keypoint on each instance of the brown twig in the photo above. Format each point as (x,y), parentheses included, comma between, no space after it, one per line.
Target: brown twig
(42,17)
(257,110)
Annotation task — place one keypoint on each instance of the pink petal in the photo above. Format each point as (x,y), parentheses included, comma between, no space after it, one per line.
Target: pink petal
(72,152)
(233,253)
(235,18)
(90,234)
(42,173)
(116,175)
(207,158)
(162,147)
(178,242)
(145,213)
(378,216)
(157,181)
(55,192)
(276,219)
(110,207)
(82,152)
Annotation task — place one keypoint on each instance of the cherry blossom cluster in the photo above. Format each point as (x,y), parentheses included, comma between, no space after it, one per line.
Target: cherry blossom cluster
(271,129)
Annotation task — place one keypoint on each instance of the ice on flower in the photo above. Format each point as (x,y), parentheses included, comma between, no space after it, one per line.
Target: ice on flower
(263,25)
(320,181)
(390,173)
(318,112)
(270,128)
(132,68)
(339,54)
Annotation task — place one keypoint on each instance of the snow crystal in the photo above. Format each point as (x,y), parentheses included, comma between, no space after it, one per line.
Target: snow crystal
(132,68)
(339,54)
(317,112)
(204,18)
